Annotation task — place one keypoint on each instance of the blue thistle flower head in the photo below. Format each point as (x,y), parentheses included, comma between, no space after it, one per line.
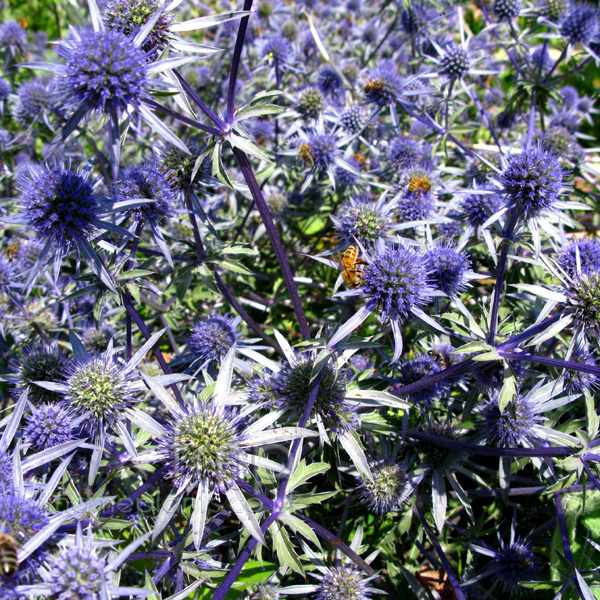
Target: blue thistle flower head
(447,268)
(384,493)
(346,178)
(6,275)
(147,182)
(204,446)
(60,205)
(514,563)
(396,281)
(414,370)
(362,219)
(12,35)
(415,206)
(511,427)
(588,250)
(570,96)
(32,98)
(383,86)
(4,89)
(566,119)
(576,382)
(291,387)
(581,25)
(77,572)
(583,302)
(103,71)
(455,62)
(532,180)
(405,153)
(328,81)
(99,389)
(323,150)
(353,118)
(278,49)
(343,582)
(507,10)
(476,209)
(265,591)
(562,142)
(413,20)
(48,426)
(22,518)
(310,103)
(212,337)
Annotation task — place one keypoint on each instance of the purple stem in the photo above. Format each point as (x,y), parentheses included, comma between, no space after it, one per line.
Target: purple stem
(267,219)
(554,362)
(235,63)
(183,118)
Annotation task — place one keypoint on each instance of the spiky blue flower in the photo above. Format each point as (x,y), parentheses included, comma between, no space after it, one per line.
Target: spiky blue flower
(147,182)
(507,10)
(476,209)
(416,369)
(277,48)
(384,86)
(415,206)
(384,492)
(4,89)
(588,250)
(581,25)
(103,71)
(342,583)
(447,269)
(323,150)
(583,302)
(455,62)
(396,281)
(511,427)
(570,96)
(532,180)
(60,205)
(362,219)
(205,446)
(576,382)
(12,35)
(48,426)
(405,153)
(40,363)
(353,119)
(328,81)
(77,572)
(212,337)
(310,103)
(32,98)
(514,563)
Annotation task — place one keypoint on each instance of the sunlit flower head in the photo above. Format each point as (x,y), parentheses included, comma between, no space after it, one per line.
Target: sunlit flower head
(507,10)
(212,337)
(455,61)
(513,426)
(383,86)
(343,582)
(580,257)
(448,269)
(384,493)
(581,25)
(353,118)
(416,369)
(48,426)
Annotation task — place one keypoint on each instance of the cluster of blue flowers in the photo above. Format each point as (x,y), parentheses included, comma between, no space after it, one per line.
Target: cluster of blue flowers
(313,286)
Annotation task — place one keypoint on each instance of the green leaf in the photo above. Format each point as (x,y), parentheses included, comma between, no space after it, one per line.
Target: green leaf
(304,472)
(284,548)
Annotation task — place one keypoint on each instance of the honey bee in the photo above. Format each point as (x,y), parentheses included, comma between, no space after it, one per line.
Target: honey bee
(8,555)
(305,153)
(373,85)
(439,358)
(420,184)
(351,270)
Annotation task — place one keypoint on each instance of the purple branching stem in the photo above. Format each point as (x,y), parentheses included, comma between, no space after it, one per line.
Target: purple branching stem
(452,444)
(574,70)
(209,112)
(235,62)
(502,265)
(267,220)
(562,523)
(146,333)
(531,122)
(554,362)
(166,566)
(183,118)
(558,61)
(589,473)
(244,485)
(200,251)
(454,581)
(530,332)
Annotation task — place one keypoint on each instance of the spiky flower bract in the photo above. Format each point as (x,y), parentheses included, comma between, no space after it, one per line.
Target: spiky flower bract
(532,180)
(60,205)
(343,582)
(414,370)
(362,219)
(396,281)
(588,251)
(205,446)
(581,25)
(277,48)
(212,337)
(310,103)
(507,10)
(384,86)
(384,492)
(292,384)
(48,426)
(447,269)
(103,71)
(455,62)
(511,427)
(100,389)
(40,363)
(77,573)
(147,182)
(515,563)
(128,16)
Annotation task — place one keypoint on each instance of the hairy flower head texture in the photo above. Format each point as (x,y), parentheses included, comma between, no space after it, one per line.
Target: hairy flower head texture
(328,81)
(353,119)
(447,269)
(77,573)
(212,337)
(310,103)
(60,205)
(416,369)
(32,98)
(476,209)
(511,427)
(581,25)
(383,86)
(147,182)
(553,9)
(396,281)
(205,446)
(507,10)
(40,363)
(455,62)
(103,71)
(343,582)
(362,219)
(532,180)
(580,257)
(12,35)
(98,387)
(320,151)
(577,382)
(48,426)
(384,492)
(277,49)
(515,563)
(583,302)
(5,88)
